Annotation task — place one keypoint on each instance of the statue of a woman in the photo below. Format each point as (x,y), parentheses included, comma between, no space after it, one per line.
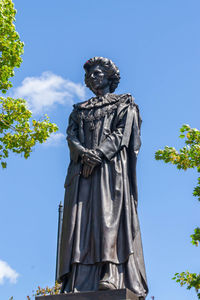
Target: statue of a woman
(101,242)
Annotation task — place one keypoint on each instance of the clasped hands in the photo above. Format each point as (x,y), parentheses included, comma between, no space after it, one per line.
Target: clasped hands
(90,159)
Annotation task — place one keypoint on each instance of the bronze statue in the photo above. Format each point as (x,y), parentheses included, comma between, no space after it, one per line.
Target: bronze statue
(101,243)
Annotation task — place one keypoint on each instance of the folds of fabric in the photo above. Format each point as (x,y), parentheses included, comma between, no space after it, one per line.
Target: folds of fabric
(100,221)
(87,277)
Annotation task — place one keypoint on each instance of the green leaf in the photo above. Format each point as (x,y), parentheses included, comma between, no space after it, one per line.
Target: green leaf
(182,136)
(3,164)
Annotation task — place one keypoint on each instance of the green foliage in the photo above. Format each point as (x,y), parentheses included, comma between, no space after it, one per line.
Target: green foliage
(186,158)
(55,290)
(11,48)
(192,280)
(196,237)
(17,134)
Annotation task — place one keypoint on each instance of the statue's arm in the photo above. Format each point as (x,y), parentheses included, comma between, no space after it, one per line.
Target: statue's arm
(75,146)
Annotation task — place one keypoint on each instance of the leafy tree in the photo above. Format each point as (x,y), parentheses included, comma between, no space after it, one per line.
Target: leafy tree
(54,290)
(186,158)
(18,131)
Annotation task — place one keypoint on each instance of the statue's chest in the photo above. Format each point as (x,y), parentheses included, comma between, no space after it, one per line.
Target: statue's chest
(96,114)
(92,123)
(92,119)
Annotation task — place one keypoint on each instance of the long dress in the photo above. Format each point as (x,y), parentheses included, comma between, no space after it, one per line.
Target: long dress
(100,231)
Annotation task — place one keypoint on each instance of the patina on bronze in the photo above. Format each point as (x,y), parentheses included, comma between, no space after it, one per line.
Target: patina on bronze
(100,242)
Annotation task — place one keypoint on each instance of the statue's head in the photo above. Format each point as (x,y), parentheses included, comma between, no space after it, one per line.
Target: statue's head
(101,73)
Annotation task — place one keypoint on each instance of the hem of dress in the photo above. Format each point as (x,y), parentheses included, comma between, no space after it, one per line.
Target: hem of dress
(94,263)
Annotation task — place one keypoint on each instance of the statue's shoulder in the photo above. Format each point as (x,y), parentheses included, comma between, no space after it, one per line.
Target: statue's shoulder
(81,104)
(75,110)
(125,99)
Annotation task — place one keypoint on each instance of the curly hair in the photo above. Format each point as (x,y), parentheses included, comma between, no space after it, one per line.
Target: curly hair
(110,68)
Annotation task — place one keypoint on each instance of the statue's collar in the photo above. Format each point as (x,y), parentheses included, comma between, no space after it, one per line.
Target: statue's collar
(98,101)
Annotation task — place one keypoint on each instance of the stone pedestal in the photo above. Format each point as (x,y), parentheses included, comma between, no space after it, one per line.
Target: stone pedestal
(123,294)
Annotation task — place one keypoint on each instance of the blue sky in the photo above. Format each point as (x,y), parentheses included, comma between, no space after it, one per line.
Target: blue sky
(156,45)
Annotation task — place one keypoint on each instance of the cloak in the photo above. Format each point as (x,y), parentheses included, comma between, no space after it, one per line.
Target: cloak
(100,220)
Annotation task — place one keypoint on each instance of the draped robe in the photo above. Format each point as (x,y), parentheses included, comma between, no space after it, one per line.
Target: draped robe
(100,229)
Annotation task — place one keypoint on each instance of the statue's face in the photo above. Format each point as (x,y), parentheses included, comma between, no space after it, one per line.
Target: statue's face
(98,78)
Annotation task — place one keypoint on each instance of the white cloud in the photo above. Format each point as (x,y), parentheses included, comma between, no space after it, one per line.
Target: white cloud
(6,272)
(47,90)
(55,139)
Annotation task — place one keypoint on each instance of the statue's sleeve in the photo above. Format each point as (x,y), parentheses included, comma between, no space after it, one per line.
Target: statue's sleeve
(126,124)
(75,146)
